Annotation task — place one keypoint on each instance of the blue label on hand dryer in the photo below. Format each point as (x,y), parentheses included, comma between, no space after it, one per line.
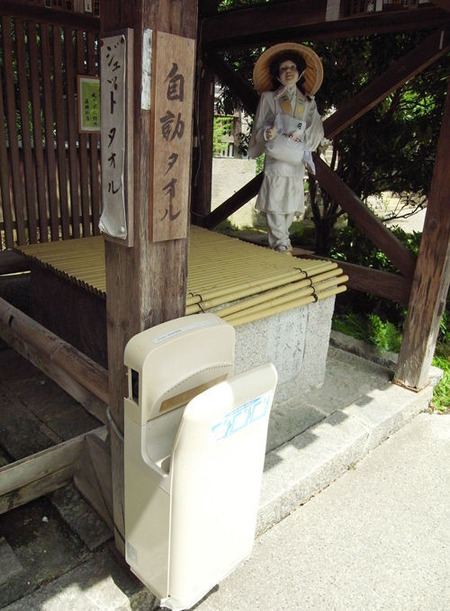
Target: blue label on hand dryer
(240,418)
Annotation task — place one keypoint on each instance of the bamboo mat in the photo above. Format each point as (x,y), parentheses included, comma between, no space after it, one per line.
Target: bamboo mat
(238,281)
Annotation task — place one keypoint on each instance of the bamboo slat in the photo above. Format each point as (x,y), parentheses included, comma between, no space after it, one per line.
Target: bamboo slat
(236,280)
(245,317)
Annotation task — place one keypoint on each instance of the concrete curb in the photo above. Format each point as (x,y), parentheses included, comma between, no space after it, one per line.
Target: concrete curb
(307,464)
(370,353)
(363,349)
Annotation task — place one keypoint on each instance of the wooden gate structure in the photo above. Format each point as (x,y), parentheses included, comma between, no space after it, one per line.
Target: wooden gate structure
(50,186)
(50,173)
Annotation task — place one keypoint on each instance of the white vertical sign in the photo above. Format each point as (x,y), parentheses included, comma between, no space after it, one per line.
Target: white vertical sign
(113,135)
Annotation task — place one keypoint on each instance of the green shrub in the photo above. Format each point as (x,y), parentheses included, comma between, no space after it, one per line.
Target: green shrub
(441,394)
(371,329)
(352,245)
(384,335)
(351,324)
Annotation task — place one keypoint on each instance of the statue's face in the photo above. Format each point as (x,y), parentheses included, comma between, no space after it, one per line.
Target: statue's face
(288,73)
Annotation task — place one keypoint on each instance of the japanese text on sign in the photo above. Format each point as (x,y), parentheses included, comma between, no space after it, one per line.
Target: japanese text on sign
(89,103)
(113,104)
(172,127)
(173,110)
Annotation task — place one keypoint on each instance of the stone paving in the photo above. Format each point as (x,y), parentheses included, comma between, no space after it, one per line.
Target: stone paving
(50,536)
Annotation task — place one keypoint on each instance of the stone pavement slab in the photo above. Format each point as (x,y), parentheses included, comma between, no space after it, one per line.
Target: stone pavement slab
(80,517)
(98,584)
(42,545)
(347,378)
(9,563)
(36,412)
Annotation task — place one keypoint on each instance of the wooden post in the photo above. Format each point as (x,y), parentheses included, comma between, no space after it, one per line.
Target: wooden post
(203,151)
(146,283)
(432,276)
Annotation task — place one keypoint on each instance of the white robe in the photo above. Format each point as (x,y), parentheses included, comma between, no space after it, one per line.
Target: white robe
(282,188)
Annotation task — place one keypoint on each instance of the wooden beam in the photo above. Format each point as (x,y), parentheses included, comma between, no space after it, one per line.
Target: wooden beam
(254,23)
(445,4)
(82,21)
(375,282)
(239,86)
(382,237)
(303,20)
(384,22)
(16,185)
(11,263)
(207,7)
(430,50)
(203,144)
(431,280)
(34,476)
(215,65)
(146,284)
(78,375)
(93,477)
(370,281)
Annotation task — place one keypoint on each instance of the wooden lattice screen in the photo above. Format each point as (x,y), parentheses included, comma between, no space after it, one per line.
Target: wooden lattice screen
(49,172)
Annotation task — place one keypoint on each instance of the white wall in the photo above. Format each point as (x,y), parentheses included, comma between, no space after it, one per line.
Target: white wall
(229,175)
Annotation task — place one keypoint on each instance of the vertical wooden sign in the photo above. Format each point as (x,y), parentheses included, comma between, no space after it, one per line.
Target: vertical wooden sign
(116,56)
(173,85)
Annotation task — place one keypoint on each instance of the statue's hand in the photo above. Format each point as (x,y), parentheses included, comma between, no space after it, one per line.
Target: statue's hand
(270,133)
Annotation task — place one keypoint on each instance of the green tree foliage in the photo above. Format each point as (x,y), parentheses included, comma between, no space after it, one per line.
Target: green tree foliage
(393,146)
(222,128)
(225,5)
(350,244)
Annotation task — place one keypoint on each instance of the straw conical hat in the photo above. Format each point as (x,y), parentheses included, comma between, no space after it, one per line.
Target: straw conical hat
(313,74)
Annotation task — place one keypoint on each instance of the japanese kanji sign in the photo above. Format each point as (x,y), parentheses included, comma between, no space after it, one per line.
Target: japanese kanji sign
(88,92)
(173,103)
(116,135)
